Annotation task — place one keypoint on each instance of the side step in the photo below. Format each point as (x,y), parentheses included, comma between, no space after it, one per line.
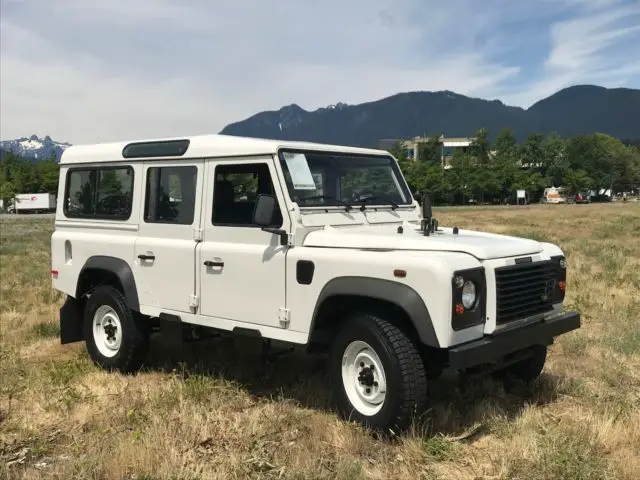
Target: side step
(176,333)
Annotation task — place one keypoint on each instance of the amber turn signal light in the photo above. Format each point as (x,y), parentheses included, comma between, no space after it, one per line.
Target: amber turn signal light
(459,309)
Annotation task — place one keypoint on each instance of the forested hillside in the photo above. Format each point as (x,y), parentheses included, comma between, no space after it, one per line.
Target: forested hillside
(577,110)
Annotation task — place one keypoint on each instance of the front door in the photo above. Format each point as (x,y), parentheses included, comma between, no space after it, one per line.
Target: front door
(242,268)
(166,246)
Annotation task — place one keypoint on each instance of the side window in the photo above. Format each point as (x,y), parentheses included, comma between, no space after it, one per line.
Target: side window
(170,195)
(105,193)
(235,190)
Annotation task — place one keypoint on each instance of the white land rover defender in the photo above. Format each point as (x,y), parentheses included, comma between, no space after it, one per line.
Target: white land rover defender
(303,243)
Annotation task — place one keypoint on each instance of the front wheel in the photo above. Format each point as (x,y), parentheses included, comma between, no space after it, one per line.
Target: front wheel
(116,337)
(377,374)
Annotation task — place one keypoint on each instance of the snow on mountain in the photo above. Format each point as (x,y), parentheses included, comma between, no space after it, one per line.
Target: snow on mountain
(34,148)
(337,106)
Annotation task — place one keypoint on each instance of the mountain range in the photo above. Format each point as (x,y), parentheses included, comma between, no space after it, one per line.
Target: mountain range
(34,148)
(581,109)
(575,110)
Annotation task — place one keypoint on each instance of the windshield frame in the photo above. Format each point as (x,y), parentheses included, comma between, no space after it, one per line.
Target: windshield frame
(401,182)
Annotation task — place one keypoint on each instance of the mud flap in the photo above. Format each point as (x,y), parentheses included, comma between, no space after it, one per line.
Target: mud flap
(71,321)
(172,330)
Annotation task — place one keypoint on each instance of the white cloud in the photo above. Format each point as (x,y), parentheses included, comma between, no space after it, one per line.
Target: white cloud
(89,70)
(576,43)
(598,45)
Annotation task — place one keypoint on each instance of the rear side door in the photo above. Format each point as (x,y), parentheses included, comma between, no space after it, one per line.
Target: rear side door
(168,233)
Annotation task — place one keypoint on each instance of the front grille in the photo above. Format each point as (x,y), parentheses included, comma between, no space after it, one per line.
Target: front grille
(524,290)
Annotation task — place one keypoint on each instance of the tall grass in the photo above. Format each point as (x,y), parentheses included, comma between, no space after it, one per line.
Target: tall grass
(217,413)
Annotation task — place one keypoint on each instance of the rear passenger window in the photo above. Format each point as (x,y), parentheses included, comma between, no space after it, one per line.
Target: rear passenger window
(235,190)
(170,195)
(102,193)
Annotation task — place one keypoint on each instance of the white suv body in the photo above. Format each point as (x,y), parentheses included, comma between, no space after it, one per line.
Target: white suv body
(304,243)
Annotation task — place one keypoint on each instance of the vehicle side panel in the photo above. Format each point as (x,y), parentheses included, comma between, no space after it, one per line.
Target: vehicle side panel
(428,274)
(75,240)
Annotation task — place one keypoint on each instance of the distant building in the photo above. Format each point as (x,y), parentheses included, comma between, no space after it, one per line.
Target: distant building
(448,146)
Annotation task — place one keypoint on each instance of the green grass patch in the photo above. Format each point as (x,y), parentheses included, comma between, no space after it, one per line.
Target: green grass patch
(626,340)
(570,454)
(46,330)
(575,344)
(13,249)
(63,373)
(438,448)
(202,388)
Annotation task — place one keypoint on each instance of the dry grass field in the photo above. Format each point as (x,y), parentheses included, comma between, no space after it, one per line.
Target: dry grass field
(218,413)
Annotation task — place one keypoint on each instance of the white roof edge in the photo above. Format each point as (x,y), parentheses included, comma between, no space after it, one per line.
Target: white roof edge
(201,146)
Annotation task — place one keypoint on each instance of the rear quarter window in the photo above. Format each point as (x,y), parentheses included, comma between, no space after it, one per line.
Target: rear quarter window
(100,193)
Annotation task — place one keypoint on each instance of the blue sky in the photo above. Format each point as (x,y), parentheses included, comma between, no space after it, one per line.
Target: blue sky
(102,70)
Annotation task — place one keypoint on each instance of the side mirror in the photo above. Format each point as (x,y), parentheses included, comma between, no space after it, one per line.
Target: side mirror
(265,207)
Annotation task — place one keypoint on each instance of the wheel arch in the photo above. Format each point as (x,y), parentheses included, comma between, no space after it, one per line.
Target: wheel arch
(101,270)
(402,303)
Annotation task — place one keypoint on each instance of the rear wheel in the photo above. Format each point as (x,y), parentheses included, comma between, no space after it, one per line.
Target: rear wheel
(378,377)
(116,337)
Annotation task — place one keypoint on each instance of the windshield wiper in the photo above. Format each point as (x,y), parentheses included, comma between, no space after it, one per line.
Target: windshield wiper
(382,198)
(346,205)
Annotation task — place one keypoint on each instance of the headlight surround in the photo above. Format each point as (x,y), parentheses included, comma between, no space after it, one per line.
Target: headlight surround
(468,298)
(560,278)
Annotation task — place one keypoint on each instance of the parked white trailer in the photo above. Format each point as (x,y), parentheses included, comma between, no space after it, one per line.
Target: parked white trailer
(34,203)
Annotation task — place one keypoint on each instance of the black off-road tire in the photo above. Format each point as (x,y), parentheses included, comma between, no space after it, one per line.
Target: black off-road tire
(135,332)
(406,393)
(526,370)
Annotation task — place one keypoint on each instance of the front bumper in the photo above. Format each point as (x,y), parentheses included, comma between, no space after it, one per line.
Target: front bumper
(492,348)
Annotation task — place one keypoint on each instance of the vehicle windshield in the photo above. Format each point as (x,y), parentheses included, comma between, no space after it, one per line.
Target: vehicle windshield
(322,179)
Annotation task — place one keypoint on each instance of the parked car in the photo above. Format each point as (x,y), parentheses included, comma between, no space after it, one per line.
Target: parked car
(581,198)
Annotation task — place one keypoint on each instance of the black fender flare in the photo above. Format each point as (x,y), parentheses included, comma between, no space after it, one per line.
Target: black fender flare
(121,270)
(399,294)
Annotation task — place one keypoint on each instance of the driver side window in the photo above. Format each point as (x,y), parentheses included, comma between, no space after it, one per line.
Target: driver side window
(235,190)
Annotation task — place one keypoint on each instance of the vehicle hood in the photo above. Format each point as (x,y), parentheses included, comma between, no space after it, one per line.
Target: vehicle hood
(483,246)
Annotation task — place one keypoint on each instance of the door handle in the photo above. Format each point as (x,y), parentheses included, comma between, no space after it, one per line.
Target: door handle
(146,257)
(210,263)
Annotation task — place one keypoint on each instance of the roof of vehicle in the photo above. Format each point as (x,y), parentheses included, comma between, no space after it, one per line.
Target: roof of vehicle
(199,146)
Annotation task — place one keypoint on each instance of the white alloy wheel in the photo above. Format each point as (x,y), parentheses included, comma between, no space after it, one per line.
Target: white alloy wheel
(107,331)
(363,378)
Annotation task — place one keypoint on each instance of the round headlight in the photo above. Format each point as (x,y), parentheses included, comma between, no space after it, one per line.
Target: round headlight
(469,294)
(563,263)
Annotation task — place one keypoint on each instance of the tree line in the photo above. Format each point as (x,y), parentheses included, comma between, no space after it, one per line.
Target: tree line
(492,172)
(21,175)
(488,171)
